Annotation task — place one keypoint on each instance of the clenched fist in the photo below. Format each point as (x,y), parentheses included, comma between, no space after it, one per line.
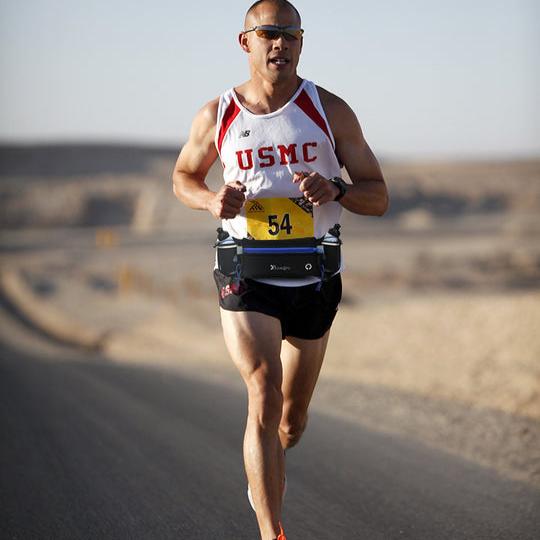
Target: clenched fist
(315,187)
(228,201)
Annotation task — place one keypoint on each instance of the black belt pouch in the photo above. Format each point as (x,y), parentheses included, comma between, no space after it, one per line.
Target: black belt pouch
(279,258)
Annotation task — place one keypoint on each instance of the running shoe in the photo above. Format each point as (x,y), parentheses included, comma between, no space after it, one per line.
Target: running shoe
(281,535)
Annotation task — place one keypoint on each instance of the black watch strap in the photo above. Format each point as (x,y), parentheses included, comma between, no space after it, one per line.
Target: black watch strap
(341,184)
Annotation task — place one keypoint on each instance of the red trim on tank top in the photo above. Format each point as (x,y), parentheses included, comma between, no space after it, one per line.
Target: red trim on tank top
(228,118)
(304,102)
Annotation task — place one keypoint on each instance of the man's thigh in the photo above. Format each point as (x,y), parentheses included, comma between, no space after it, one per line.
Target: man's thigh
(302,360)
(253,340)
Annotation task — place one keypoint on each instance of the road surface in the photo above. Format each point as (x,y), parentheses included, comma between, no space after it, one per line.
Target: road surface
(94,449)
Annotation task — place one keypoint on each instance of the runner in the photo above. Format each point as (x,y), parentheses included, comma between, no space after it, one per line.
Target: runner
(282,142)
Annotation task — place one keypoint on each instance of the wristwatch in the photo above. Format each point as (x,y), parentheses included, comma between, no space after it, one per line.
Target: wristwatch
(342,186)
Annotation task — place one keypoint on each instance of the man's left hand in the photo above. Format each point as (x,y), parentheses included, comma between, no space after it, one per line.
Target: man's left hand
(315,187)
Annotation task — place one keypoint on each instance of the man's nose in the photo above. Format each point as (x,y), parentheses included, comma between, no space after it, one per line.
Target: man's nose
(280,42)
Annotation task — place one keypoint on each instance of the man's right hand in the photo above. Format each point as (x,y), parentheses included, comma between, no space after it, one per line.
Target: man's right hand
(228,201)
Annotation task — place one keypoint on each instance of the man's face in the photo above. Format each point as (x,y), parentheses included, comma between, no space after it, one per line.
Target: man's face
(274,60)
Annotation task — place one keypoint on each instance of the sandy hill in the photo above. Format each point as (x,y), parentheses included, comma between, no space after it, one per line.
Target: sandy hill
(91,185)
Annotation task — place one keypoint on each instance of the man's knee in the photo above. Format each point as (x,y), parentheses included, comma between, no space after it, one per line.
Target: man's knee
(265,399)
(291,430)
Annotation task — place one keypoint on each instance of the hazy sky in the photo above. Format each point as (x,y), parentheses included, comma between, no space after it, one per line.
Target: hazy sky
(425,77)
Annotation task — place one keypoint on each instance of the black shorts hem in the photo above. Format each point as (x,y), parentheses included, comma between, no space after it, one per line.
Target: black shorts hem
(305,312)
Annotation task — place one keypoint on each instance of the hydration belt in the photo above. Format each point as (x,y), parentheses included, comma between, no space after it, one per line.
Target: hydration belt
(298,258)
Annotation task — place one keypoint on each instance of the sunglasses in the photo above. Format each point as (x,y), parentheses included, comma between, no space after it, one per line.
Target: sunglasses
(271,32)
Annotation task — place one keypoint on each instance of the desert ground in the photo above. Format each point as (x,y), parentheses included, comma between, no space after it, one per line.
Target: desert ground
(437,336)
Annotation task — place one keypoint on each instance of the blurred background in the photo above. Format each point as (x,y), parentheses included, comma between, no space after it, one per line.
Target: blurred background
(437,337)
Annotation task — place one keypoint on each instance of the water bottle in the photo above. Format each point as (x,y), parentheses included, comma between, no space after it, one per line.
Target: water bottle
(332,251)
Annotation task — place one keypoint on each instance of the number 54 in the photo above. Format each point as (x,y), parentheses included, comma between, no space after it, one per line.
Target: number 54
(275,226)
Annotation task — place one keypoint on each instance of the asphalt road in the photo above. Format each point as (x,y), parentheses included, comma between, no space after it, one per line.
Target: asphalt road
(91,449)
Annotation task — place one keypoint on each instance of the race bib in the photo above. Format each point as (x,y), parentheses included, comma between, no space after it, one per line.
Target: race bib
(279,218)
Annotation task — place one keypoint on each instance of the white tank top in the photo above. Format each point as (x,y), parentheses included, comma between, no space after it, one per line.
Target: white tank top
(263,151)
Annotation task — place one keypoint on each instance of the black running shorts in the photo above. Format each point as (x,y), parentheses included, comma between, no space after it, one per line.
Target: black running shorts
(304,312)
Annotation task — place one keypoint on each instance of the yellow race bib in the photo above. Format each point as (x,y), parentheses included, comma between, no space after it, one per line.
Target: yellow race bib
(279,218)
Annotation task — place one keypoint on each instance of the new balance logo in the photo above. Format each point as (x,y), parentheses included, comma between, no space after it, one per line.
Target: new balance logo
(244,133)
(256,207)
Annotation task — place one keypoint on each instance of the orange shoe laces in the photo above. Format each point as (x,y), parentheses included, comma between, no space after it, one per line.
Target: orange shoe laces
(281,535)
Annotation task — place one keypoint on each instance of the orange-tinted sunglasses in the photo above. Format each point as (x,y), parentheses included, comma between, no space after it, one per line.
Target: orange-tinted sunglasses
(271,32)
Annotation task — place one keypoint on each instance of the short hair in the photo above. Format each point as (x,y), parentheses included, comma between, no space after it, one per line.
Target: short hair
(280,3)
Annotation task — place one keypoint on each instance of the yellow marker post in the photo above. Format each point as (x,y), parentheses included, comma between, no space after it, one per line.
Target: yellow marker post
(106,238)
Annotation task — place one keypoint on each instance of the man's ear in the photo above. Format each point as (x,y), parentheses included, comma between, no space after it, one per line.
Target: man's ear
(243,41)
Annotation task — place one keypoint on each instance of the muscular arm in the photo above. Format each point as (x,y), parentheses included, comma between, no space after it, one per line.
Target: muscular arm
(368,194)
(193,165)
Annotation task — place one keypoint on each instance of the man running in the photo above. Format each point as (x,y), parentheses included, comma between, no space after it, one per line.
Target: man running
(282,142)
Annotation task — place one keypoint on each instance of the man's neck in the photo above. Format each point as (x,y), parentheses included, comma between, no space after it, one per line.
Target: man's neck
(263,97)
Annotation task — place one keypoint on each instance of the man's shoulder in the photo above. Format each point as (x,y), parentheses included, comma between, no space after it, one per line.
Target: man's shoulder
(204,123)
(207,114)
(338,112)
(334,106)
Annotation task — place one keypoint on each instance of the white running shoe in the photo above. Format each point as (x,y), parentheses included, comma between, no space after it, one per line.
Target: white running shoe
(250,498)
